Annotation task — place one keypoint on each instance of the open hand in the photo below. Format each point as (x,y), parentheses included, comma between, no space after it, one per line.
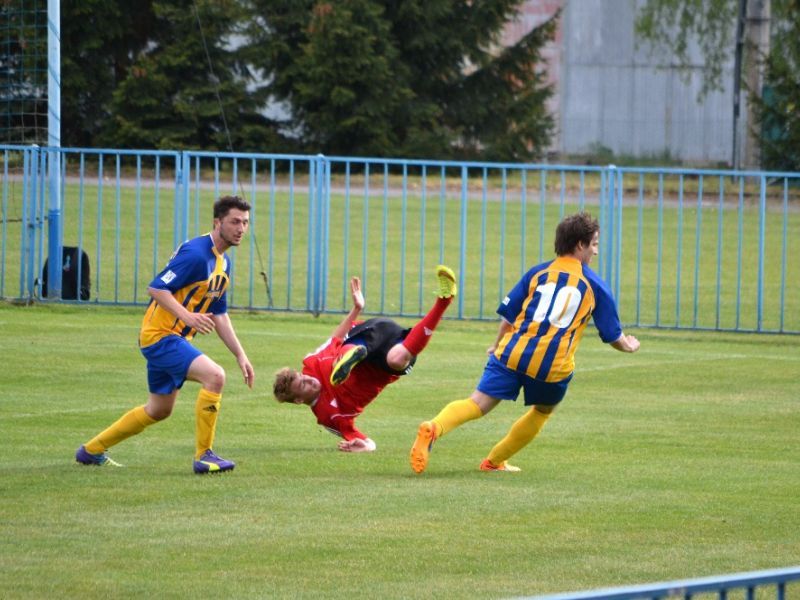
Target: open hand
(355,291)
(357,445)
(201,322)
(247,371)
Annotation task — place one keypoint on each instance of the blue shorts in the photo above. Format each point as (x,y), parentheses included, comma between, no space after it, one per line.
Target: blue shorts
(500,382)
(168,363)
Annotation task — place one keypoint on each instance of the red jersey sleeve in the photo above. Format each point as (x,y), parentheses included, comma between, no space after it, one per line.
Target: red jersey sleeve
(346,427)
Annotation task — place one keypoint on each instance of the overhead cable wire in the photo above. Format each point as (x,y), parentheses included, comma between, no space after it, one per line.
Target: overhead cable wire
(216,82)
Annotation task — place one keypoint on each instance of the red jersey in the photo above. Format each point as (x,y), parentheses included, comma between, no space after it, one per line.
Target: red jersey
(337,407)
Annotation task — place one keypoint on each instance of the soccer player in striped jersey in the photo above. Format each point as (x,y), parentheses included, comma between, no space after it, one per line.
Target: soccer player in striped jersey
(189,296)
(341,377)
(542,321)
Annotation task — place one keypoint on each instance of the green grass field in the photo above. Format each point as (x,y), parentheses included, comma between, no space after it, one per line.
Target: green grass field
(693,264)
(680,461)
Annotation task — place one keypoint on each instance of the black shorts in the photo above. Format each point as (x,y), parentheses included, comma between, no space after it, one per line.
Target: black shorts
(379,335)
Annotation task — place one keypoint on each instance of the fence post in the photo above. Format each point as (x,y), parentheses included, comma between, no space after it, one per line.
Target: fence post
(607,221)
(618,198)
(25,244)
(325,201)
(762,218)
(180,231)
(34,221)
(312,177)
(319,200)
(54,238)
(462,259)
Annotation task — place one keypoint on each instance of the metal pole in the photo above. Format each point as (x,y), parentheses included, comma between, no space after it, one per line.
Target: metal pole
(737,81)
(54,267)
(757,45)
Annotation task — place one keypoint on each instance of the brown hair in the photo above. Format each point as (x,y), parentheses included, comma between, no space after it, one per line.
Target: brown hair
(282,388)
(574,229)
(223,206)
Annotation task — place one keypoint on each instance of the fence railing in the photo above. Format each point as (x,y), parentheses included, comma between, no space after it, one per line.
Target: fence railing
(689,249)
(774,583)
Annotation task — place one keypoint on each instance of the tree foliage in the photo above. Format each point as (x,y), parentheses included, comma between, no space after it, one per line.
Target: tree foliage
(23,77)
(677,25)
(343,90)
(98,40)
(369,77)
(406,77)
(779,108)
(138,75)
(188,87)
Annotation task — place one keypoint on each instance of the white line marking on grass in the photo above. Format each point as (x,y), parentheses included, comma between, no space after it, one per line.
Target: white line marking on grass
(625,365)
(63,411)
(283,334)
(91,410)
(52,326)
(690,359)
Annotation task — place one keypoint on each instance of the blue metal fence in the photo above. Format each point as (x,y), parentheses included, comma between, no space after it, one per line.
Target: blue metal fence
(688,249)
(774,583)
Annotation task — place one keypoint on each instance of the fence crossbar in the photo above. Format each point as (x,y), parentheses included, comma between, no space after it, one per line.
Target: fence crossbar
(687,587)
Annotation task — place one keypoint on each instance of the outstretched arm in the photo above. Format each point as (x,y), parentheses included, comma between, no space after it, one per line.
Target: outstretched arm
(354,440)
(358,305)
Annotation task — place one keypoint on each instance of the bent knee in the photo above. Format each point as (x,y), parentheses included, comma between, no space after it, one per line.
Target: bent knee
(398,358)
(159,412)
(214,379)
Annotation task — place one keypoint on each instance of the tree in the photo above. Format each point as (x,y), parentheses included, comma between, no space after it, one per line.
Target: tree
(23,75)
(405,77)
(171,97)
(137,75)
(344,91)
(779,108)
(677,24)
(508,122)
(99,39)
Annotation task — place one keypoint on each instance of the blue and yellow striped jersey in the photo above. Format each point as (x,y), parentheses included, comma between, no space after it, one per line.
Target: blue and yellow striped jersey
(198,276)
(549,309)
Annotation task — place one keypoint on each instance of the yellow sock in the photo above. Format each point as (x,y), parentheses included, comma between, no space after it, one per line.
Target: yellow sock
(520,435)
(132,422)
(206,411)
(456,413)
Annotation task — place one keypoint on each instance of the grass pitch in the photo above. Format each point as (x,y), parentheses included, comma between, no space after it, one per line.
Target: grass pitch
(679,461)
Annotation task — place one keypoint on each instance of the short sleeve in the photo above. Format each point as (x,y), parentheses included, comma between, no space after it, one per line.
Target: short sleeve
(347,428)
(181,270)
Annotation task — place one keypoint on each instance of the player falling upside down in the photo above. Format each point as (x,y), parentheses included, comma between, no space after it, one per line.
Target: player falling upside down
(341,377)
(542,321)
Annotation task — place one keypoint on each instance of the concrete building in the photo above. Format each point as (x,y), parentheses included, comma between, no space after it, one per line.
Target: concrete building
(612,93)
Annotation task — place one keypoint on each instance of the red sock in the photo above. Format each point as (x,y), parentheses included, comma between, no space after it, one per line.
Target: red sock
(420,335)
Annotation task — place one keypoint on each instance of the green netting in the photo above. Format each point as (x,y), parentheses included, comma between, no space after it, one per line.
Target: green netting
(23,72)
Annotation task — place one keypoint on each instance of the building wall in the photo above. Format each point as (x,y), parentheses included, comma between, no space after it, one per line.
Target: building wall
(532,14)
(611,93)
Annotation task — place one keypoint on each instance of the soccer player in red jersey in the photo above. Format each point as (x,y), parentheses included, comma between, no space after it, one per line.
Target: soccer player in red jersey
(341,377)
(542,321)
